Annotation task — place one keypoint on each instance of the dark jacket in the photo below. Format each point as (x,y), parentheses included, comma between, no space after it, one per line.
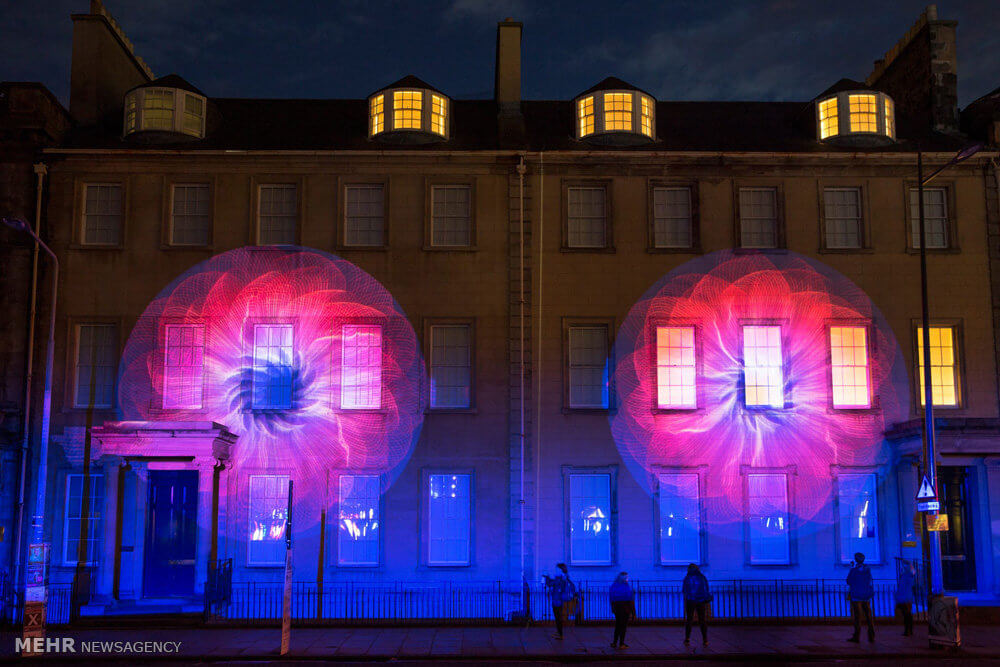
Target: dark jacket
(904,587)
(859,583)
(620,591)
(695,588)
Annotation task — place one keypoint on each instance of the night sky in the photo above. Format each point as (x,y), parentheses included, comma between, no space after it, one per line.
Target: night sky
(700,50)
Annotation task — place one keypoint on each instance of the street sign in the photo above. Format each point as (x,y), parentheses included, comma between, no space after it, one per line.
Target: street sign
(926,491)
(937,522)
(929,506)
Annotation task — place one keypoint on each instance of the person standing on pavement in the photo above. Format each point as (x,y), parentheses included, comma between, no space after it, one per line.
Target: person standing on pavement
(562,596)
(860,592)
(696,599)
(904,596)
(622,606)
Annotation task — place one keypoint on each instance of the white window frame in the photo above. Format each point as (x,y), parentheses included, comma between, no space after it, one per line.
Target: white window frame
(604,367)
(843,357)
(350,241)
(844,221)
(459,520)
(180,97)
(586,219)
(448,217)
(361,369)
(437,363)
(377,507)
(845,532)
(955,365)
(930,223)
(752,560)
(94,525)
(113,366)
(667,368)
(285,187)
(663,481)
(85,216)
(207,215)
(610,532)
(667,222)
(774,375)
(746,218)
(177,405)
(250,500)
(268,404)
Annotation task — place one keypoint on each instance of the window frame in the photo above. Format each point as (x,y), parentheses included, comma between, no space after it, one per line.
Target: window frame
(430,184)
(335,477)
(342,186)
(700,472)
(864,231)
(338,365)
(779,210)
(72,356)
(782,325)
(428,324)
(587,322)
(599,114)
(699,388)
(611,471)
(609,241)
(249,511)
(790,472)
(843,107)
(871,348)
(652,185)
(180,96)
(98,528)
(80,231)
(169,184)
(426,113)
(425,526)
(958,338)
(251,332)
(257,182)
(951,234)
(164,328)
(837,471)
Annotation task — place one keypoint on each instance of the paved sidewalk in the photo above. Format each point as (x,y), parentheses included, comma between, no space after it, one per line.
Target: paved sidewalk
(479,644)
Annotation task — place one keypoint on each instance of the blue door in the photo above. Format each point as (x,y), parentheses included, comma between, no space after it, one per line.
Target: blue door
(171,532)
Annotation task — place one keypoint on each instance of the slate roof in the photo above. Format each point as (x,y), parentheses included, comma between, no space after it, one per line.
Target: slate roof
(170,81)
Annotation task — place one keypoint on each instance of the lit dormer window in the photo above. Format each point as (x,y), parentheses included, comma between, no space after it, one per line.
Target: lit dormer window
(615,113)
(408,111)
(860,117)
(171,107)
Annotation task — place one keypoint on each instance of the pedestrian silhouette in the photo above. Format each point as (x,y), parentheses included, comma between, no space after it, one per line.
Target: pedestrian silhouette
(696,600)
(904,596)
(622,606)
(860,592)
(562,597)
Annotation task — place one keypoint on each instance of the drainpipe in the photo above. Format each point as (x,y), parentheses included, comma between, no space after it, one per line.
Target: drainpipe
(520,196)
(538,359)
(40,172)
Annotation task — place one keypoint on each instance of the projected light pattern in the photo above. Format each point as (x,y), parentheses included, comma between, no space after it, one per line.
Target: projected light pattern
(304,356)
(735,360)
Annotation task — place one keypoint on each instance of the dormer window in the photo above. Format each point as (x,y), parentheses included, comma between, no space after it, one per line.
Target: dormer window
(151,109)
(859,117)
(408,112)
(618,116)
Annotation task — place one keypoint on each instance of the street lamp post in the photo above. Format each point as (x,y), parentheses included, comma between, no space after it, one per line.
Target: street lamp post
(37,592)
(936,583)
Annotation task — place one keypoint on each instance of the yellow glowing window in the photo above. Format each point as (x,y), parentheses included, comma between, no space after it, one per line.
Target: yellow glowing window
(944,368)
(849,367)
(675,367)
(618,111)
(828,122)
(130,114)
(890,119)
(585,115)
(377,113)
(762,367)
(194,116)
(406,109)
(647,116)
(439,114)
(158,110)
(863,113)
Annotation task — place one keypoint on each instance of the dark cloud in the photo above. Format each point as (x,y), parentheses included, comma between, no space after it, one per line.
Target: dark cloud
(697,49)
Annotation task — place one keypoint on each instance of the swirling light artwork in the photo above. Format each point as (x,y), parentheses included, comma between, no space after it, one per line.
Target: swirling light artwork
(304,356)
(796,426)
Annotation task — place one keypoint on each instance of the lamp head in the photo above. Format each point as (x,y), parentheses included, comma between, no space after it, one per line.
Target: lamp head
(968,151)
(16,224)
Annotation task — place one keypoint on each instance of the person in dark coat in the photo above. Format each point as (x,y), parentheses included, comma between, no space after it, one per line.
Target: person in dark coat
(561,590)
(904,597)
(696,599)
(622,606)
(860,592)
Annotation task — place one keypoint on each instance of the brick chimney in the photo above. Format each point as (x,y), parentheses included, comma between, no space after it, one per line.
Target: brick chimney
(921,73)
(104,67)
(507,84)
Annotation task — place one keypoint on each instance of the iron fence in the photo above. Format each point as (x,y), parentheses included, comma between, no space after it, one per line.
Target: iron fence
(369,603)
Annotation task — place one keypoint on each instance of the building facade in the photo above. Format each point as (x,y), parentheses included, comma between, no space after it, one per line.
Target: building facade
(480,337)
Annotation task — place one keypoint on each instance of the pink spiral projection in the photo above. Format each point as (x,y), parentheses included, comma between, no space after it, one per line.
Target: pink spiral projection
(718,295)
(304,356)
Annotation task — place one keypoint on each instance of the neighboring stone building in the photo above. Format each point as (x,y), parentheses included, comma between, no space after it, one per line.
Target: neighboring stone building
(581,404)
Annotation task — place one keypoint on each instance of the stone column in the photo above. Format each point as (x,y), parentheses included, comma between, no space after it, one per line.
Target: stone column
(109,517)
(205,467)
(906,478)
